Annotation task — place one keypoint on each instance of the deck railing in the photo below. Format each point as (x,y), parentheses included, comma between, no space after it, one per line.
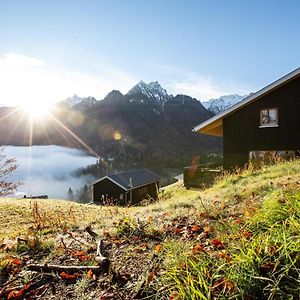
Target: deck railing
(199,176)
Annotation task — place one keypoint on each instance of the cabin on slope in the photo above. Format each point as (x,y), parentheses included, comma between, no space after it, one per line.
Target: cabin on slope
(126,188)
(265,123)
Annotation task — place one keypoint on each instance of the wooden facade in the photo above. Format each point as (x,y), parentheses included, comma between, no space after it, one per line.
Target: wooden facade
(244,131)
(125,189)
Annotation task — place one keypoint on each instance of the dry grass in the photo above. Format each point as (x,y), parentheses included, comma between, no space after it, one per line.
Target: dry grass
(17,215)
(221,212)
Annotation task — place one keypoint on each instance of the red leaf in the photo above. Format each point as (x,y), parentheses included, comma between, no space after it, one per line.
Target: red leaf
(217,243)
(19,295)
(16,262)
(196,228)
(66,276)
(83,258)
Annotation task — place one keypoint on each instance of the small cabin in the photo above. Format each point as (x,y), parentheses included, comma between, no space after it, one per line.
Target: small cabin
(265,124)
(127,188)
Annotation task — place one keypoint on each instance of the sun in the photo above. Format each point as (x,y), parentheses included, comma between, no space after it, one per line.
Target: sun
(37,111)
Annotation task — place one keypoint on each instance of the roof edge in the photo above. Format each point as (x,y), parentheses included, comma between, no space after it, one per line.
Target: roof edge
(107,177)
(267,89)
(123,187)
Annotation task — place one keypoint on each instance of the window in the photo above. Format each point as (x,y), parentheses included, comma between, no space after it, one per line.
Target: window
(269,117)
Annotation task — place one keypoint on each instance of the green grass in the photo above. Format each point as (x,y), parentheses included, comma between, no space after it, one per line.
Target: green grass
(237,239)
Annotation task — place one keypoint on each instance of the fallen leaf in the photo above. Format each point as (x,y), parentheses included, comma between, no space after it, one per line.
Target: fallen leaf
(151,276)
(217,243)
(158,248)
(78,253)
(83,258)
(178,230)
(66,276)
(239,221)
(89,274)
(197,249)
(182,265)
(196,228)
(247,234)
(174,296)
(224,255)
(16,262)
(202,214)
(19,295)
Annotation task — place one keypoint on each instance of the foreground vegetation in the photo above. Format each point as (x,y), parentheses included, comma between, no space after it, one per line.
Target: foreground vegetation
(238,239)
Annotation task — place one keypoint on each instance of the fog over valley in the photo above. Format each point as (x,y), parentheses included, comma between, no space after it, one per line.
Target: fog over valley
(48,170)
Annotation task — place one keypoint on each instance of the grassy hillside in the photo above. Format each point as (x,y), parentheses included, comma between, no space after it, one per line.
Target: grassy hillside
(238,239)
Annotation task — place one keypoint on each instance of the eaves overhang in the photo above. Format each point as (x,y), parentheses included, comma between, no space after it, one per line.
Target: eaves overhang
(214,125)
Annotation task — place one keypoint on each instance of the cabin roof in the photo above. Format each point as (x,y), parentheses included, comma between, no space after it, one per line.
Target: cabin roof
(139,178)
(214,125)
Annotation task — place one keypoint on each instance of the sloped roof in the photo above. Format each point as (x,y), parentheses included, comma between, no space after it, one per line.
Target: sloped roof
(139,178)
(214,125)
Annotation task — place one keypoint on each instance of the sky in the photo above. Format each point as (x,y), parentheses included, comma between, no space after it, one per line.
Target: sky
(50,50)
(60,166)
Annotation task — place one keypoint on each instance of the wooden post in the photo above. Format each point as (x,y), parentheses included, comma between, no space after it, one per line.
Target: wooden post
(130,192)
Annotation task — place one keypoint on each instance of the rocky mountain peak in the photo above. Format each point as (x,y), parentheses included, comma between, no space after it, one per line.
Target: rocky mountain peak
(71,101)
(78,102)
(113,94)
(151,90)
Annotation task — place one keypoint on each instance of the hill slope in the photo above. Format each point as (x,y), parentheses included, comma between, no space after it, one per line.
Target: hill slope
(239,238)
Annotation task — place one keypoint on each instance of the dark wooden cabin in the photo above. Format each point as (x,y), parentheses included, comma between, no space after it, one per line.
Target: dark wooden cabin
(126,188)
(266,122)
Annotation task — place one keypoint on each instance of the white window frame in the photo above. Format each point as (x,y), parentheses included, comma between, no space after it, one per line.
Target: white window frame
(268,125)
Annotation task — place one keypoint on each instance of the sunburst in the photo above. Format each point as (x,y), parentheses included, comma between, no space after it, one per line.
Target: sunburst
(37,111)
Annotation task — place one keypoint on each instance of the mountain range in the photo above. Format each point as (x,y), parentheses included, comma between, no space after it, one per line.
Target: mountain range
(145,127)
(154,90)
(222,103)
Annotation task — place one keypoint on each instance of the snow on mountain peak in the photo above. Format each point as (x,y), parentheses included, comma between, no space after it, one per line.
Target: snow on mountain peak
(76,101)
(223,103)
(151,90)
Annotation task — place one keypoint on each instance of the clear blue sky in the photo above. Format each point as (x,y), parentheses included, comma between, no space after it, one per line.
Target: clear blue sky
(203,48)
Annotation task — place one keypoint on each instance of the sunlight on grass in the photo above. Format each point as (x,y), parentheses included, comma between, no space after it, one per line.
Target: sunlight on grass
(238,238)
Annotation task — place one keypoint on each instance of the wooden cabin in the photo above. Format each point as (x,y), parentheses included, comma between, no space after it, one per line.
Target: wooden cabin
(265,123)
(126,188)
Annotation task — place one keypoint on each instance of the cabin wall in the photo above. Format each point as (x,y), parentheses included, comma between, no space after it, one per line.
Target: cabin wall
(143,192)
(106,187)
(241,132)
